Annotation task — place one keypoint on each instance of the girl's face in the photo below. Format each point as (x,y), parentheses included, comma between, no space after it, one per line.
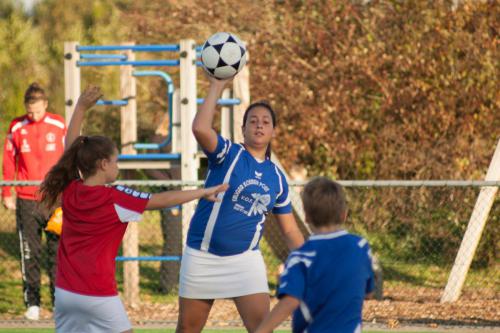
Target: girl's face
(110,167)
(258,129)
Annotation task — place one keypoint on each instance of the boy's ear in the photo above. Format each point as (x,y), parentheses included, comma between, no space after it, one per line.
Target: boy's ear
(103,163)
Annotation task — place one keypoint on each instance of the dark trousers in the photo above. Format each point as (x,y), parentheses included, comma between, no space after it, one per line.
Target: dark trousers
(30,225)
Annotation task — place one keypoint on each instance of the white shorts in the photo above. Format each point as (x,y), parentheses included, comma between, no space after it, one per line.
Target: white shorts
(82,314)
(207,276)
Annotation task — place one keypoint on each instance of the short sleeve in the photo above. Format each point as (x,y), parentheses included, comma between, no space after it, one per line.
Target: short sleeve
(221,151)
(293,278)
(129,204)
(370,282)
(283,203)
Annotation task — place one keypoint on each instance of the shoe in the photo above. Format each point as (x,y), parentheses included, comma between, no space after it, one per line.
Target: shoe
(33,313)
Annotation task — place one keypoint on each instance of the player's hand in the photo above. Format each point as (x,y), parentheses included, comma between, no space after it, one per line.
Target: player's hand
(89,97)
(9,203)
(211,192)
(218,82)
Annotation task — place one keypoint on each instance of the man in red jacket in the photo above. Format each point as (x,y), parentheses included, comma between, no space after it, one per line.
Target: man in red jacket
(33,145)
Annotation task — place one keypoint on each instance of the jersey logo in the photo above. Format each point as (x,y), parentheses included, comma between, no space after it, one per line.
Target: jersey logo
(24,131)
(25,147)
(258,175)
(51,137)
(260,203)
(247,195)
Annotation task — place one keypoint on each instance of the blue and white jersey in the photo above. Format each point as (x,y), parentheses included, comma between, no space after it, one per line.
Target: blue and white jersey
(330,275)
(235,224)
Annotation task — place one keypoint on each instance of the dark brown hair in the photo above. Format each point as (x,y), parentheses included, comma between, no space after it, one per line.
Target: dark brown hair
(267,106)
(34,93)
(80,159)
(324,202)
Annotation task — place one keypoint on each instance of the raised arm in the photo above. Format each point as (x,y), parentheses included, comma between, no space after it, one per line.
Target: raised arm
(86,100)
(203,121)
(173,198)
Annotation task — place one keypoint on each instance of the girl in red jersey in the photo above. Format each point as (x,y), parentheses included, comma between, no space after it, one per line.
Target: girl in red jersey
(95,219)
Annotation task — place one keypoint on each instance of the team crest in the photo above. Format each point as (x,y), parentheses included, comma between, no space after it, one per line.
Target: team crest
(51,137)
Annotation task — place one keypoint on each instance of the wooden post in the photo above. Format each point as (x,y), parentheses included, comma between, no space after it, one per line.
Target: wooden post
(128,114)
(189,163)
(473,233)
(71,78)
(241,90)
(225,117)
(176,123)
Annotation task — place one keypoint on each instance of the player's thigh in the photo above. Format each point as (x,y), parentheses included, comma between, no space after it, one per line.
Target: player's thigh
(252,309)
(193,314)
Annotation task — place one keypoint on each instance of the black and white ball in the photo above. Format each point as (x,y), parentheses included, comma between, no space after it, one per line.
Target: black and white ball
(223,55)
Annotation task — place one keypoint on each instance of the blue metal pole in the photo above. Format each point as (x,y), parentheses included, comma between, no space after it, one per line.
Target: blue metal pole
(170,93)
(103,56)
(222,101)
(152,258)
(136,48)
(119,102)
(158,156)
(136,63)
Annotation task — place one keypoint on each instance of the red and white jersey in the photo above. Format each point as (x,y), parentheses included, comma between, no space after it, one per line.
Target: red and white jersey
(94,222)
(31,149)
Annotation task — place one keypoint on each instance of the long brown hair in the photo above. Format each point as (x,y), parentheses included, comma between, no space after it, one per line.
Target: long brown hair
(34,93)
(267,106)
(80,159)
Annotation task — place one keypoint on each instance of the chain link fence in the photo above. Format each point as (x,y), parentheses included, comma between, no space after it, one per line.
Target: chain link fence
(414,228)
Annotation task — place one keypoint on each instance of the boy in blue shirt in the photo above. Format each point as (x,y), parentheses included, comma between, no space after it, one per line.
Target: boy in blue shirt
(326,280)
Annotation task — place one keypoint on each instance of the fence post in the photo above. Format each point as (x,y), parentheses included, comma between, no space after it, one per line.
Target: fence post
(128,116)
(473,233)
(176,123)
(71,78)
(188,107)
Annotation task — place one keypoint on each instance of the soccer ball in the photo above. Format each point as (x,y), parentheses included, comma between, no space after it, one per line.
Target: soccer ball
(223,55)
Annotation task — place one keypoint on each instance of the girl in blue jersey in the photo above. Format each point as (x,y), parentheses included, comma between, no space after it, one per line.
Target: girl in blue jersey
(326,280)
(222,257)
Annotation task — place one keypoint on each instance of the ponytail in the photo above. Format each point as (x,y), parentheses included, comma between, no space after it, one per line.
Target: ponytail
(268,151)
(60,176)
(80,159)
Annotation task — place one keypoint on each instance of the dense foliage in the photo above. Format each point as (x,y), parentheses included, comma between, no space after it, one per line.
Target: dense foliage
(383,90)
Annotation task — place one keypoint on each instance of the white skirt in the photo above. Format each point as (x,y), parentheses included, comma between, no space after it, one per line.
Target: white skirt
(89,314)
(208,276)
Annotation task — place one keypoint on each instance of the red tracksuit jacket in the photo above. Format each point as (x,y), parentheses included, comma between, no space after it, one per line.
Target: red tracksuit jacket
(31,149)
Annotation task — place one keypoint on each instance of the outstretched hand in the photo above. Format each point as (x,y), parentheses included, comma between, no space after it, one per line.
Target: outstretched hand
(218,82)
(212,192)
(89,97)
